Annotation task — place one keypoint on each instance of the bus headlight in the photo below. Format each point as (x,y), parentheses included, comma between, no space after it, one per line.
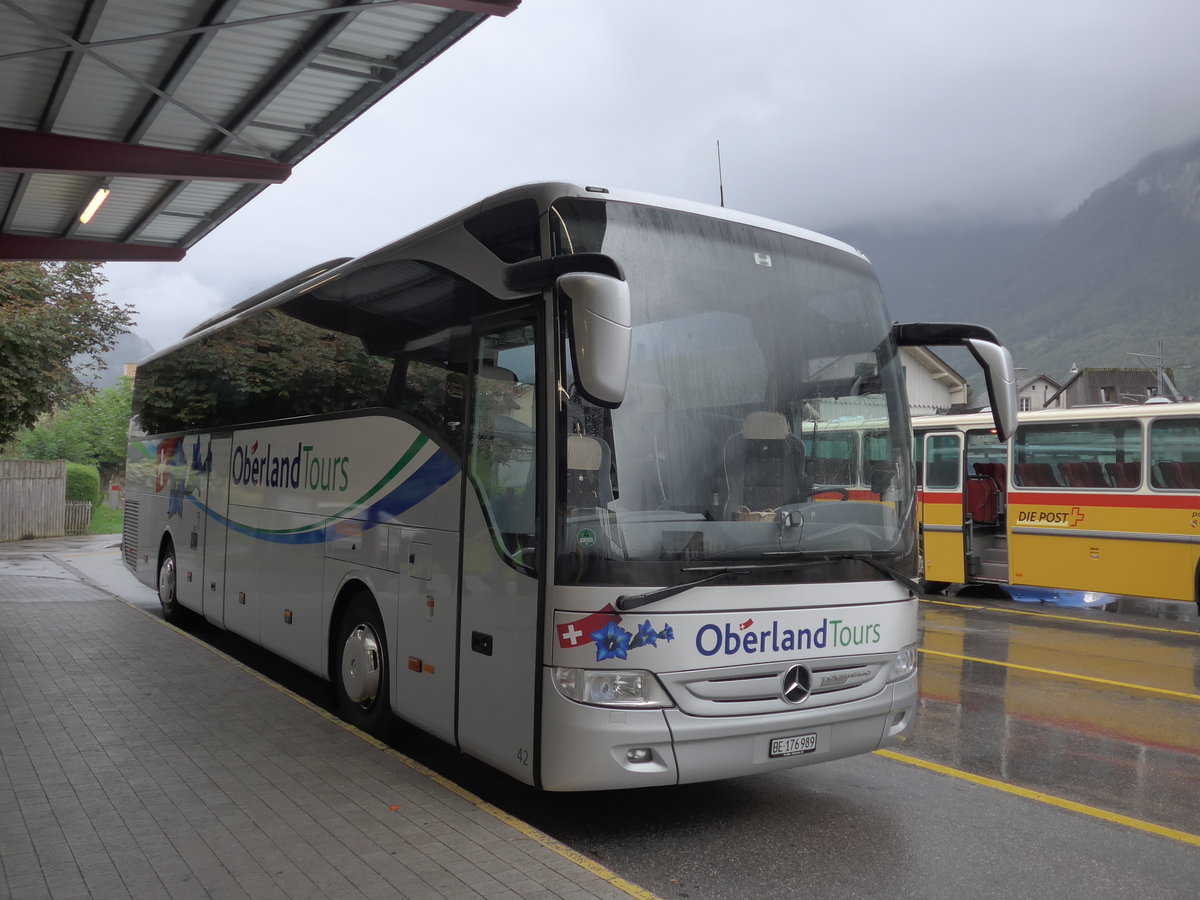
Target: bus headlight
(625,688)
(905,663)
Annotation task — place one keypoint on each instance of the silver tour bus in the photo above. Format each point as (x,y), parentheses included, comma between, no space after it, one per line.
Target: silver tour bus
(541,480)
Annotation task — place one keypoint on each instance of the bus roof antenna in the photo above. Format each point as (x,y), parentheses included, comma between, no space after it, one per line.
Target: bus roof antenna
(720,175)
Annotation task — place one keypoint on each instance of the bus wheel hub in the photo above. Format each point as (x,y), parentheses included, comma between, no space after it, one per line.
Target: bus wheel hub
(166,580)
(361,664)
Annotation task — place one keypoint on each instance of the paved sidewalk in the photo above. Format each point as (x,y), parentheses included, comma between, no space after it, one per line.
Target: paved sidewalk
(137,761)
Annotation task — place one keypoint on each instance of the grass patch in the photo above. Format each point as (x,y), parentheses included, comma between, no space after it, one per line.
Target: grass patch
(107,521)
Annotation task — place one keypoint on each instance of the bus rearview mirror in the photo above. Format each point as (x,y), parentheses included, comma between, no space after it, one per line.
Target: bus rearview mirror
(994,358)
(601,334)
(1001,380)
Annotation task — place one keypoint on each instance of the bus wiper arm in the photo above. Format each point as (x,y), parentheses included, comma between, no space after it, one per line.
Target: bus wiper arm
(883,567)
(633,601)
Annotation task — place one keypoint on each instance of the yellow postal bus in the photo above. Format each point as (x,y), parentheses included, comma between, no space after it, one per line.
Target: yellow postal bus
(1095,499)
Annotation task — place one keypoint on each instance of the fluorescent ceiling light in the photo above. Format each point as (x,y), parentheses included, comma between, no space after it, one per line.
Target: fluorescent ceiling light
(99,197)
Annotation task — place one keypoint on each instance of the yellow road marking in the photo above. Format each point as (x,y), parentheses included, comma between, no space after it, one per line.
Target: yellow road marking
(1030,612)
(1093,811)
(1091,678)
(574,856)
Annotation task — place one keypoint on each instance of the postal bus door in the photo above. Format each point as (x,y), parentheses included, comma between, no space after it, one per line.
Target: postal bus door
(942,523)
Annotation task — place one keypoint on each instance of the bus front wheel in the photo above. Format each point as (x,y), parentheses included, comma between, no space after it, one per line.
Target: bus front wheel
(361,670)
(171,610)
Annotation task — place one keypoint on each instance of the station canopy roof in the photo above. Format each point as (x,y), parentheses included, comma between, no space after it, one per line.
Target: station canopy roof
(185,109)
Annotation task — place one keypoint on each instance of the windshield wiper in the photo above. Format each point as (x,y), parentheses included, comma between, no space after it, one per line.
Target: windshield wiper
(894,574)
(633,601)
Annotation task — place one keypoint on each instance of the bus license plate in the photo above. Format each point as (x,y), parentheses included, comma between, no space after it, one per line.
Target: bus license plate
(791,746)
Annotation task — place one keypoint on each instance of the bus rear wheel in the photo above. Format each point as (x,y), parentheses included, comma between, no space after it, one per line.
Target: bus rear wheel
(361,668)
(171,610)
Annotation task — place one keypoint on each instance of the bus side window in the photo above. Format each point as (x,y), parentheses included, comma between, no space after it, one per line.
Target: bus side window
(435,395)
(943,461)
(832,459)
(1102,455)
(502,453)
(1174,457)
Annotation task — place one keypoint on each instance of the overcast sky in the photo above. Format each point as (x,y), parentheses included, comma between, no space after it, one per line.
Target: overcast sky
(830,113)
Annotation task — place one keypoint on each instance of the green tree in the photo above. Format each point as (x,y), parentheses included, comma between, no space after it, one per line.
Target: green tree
(91,430)
(270,366)
(52,318)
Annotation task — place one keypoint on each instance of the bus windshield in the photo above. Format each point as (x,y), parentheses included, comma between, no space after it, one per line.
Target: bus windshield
(765,414)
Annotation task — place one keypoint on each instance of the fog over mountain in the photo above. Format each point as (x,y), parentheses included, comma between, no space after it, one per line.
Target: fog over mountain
(129,348)
(1109,280)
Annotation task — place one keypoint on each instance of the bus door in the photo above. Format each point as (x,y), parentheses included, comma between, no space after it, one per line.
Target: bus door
(185,489)
(943,513)
(985,502)
(499,626)
(194,491)
(216,530)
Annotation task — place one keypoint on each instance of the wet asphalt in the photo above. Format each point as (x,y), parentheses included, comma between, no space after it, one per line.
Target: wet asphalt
(1056,754)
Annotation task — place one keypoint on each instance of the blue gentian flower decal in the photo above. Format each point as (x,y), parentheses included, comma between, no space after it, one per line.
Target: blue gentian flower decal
(198,464)
(175,498)
(612,641)
(176,483)
(646,636)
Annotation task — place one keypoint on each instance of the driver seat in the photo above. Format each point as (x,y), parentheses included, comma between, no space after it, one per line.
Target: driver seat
(764,465)
(589,483)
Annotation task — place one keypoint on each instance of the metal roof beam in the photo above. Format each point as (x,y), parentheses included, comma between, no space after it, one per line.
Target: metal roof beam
(451,29)
(84,30)
(483,7)
(32,151)
(20,246)
(86,27)
(430,46)
(183,65)
(319,37)
(342,70)
(76,46)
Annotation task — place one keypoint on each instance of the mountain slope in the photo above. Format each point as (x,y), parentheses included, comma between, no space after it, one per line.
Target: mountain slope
(129,348)
(1112,278)
(927,268)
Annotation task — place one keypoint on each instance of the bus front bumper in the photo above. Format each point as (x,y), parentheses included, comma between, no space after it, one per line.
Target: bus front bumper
(593,748)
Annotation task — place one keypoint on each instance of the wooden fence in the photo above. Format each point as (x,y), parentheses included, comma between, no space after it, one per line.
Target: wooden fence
(33,499)
(78,518)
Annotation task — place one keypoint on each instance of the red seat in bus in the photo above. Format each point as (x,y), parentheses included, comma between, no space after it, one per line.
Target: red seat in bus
(1038,474)
(996,471)
(1125,474)
(1190,475)
(1083,474)
(983,499)
(1182,476)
